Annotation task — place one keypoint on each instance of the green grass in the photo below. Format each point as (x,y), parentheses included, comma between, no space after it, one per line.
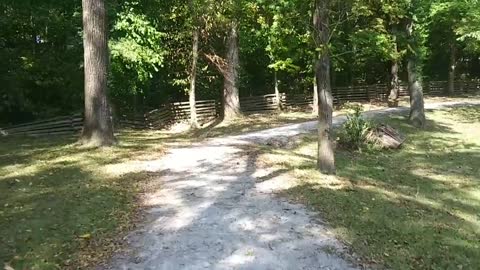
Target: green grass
(415,208)
(62,206)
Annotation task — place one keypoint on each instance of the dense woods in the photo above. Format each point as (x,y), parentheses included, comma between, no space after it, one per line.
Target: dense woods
(163,50)
(151,49)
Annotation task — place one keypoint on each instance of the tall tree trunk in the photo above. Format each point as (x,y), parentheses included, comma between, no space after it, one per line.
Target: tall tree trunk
(277,92)
(326,155)
(98,128)
(417,105)
(231,100)
(193,78)
(452,70)
(394,80)
(315,97)
(394,85)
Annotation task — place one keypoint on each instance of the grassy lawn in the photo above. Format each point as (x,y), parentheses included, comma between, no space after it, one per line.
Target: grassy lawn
(416,208)
(65,207)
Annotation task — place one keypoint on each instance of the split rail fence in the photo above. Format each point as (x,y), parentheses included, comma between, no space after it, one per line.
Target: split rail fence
(208,110)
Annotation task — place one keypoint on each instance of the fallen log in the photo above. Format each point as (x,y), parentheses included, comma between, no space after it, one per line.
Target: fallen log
(385,137)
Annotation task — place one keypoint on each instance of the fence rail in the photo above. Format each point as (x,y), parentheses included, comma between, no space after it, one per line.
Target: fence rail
(54,126)
(259,104)
(208,110)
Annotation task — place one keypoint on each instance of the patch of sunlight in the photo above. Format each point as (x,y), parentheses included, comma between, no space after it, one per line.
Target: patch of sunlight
(241,256)
(396,197)
(475,194)
(422,200)
(319,180)
(244,224)
(124,168)
(453,177)
(435,175)
(465,245)
(473,219)
(472,199)
(108,162)
(20,170)
(308,149)
(282,158)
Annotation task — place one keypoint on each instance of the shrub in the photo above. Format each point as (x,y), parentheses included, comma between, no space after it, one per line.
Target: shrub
(355,130)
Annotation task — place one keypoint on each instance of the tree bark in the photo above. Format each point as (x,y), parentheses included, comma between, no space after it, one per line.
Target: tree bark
(452,70)
(394,85)
(417,105)
(193,78)
(326,156)
(277,92)
(394,81)
(231,100)
(315,97)
(98,128)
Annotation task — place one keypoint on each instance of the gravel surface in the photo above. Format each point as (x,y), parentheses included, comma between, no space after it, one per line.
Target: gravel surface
(215,209)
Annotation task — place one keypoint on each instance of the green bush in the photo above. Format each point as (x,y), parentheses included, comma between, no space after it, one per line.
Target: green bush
(355,130)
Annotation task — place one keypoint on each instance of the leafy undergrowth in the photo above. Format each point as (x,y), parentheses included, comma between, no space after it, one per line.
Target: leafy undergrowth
(416,208)
(64,207)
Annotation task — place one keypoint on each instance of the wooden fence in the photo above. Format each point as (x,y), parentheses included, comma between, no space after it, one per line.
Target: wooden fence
(172,113)
(208,110)
(259,104)
(54,126)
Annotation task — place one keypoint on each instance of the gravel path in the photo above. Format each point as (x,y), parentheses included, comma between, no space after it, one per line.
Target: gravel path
(211,212)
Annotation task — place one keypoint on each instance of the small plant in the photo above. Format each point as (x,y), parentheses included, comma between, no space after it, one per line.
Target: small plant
(355,130)
(351,106)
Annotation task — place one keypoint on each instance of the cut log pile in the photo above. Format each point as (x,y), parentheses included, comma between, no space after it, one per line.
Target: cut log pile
(386,137)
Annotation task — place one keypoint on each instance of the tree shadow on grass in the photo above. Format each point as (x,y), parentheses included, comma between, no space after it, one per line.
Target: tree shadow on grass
(57,216)
(416,208)
(60,207)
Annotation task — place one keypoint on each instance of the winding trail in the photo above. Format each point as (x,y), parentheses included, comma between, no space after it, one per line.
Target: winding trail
(211,212)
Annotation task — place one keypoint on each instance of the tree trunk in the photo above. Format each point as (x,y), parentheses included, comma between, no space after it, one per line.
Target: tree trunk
(98,128)
(452,70)
(394,83)
(417,106)
(394,78)
(315,97)
(193,78)
(326,156)
(277,92)
(231,100)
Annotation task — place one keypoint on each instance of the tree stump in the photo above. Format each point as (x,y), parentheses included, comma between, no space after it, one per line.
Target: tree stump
(386,137)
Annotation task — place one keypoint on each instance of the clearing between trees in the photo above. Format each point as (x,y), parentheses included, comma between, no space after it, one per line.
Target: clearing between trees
(68,206)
